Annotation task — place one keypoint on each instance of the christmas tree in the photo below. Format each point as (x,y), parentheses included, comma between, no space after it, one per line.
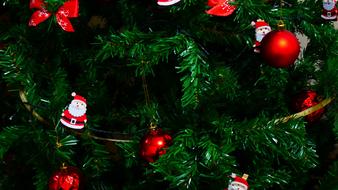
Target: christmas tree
(186,94)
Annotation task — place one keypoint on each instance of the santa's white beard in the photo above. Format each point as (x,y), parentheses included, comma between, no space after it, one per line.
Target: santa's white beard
(328,6)
(236,186)
(259,37)
(76,111)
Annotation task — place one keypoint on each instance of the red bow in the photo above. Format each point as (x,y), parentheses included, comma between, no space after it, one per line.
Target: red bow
(69,9)
(220,7)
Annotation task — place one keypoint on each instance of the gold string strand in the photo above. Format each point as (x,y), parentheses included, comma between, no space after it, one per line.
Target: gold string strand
(281,5)
(280,24)
(152,124)
(109,139)
(24,100)
(145,85)
(306,112)
(303,113)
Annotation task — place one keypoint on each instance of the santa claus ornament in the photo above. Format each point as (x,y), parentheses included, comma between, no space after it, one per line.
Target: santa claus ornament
(329,10)
(67,178)
(220,7)
(167,2)
(261,28)
(238,183)
(280,48)
(154,143)
(75,115)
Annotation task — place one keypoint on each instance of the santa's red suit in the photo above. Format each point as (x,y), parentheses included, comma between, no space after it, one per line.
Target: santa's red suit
(330,14)
(329,10)
(72,121)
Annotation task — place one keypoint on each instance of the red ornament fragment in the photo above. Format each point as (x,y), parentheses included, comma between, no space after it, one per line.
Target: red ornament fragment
(67,178)
(154,144)
(220,7)
(306,100)
(280,48)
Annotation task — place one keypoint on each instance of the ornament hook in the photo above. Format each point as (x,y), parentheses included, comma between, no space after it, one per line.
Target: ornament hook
(152,126)
(63,167)
(280,25)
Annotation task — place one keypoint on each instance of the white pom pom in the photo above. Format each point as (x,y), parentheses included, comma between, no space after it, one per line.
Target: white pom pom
(233,175)
(73,94)
(253,23)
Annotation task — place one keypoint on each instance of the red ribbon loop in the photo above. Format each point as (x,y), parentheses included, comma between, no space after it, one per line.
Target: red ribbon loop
(69,9)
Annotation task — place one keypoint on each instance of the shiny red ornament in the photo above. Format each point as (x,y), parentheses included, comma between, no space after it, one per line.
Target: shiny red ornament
(70,9)
(307,100)
(280,48)
(67,178)
(154,144)
(220,7)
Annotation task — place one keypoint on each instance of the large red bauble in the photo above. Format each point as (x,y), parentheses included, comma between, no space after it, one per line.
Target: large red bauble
(67,178)
(154,144)
(306,100)
(280,48)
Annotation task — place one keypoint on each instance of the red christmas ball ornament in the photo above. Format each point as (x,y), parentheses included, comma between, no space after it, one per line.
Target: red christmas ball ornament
(67,178)
(307,100)
(280,48)
(154,144)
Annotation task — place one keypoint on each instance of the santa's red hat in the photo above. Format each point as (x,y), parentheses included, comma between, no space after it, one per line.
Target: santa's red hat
(79,98)
(259,23)
(241,181)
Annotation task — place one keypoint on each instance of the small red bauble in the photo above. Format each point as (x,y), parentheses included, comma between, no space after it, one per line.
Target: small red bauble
(67,178)
(154,144)
(280,48)
(306,100)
